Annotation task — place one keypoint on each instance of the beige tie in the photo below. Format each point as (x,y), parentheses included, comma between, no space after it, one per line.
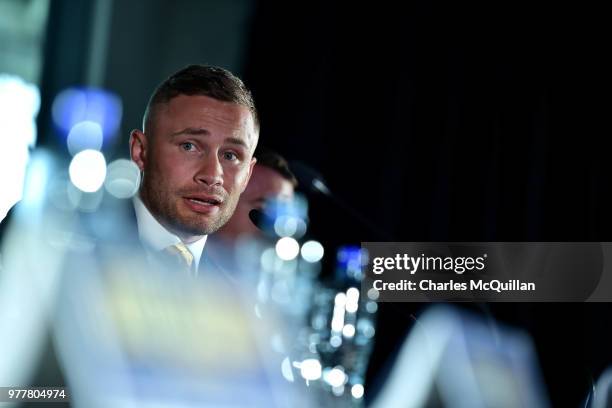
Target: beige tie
(182,255)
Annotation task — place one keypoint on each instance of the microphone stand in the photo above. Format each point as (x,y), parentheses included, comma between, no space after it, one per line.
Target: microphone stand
(313,182)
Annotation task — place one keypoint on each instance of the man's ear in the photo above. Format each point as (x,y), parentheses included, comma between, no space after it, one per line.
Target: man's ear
(248,177)
(138,148)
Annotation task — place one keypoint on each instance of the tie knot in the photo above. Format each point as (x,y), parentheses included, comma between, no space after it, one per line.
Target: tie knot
(182,253)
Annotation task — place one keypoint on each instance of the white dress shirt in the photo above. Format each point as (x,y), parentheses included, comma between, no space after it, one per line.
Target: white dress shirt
(156,238)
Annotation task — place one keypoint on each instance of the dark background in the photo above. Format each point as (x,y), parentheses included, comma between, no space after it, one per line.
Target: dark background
(436,122)
(450,123)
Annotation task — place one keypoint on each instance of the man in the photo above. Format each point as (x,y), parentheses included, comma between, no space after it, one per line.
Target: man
(195,152)
(271,178)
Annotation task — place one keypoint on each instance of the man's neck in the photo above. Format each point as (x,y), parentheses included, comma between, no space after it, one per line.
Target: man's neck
(155,236)
(185,238)
(190,239)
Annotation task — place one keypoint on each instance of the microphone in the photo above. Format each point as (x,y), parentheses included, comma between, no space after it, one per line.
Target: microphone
(309,178)
(256,216)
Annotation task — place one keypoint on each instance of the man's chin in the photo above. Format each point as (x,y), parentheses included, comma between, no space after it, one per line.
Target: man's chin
(190,223)
(193,228)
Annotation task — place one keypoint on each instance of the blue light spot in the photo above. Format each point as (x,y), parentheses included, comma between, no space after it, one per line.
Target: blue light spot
(77,105)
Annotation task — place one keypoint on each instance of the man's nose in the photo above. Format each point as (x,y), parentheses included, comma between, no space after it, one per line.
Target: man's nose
(210,171)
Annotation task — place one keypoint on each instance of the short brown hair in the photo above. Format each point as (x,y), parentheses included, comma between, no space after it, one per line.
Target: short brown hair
(214,82)
(271,159)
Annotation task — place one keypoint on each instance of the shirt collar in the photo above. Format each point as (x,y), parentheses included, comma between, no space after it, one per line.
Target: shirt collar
(155,237)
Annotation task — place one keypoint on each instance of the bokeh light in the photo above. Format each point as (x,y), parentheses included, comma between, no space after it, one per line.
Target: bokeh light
(348,330)
(335,377)
(312,251)
(310,369)
(335,341)
(373,293)
(352,300)
(76,105)
(84,135)
(287,248)
(88,170)
(122,178)
(371,307)
(357,391)
(286,370)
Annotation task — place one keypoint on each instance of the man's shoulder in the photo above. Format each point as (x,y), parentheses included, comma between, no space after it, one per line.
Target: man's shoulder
(112,228)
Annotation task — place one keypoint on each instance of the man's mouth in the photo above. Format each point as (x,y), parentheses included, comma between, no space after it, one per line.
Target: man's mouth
(203,203)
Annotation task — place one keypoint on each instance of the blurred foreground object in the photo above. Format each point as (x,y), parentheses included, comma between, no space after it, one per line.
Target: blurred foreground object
(133,336)
(19,104)
(341,330)
(601,395)
(454,359)
(326,327)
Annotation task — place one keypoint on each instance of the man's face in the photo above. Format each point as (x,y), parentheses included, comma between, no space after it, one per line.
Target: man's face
(196,159)
(265,183)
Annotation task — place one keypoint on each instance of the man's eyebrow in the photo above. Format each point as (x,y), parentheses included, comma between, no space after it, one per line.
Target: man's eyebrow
(204,132)
(236,141)
(191,131)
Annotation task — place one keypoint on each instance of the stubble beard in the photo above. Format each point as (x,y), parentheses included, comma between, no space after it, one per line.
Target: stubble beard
(163,204)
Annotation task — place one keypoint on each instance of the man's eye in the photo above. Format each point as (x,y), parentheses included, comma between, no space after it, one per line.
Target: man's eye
(230,156)
(188,146)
